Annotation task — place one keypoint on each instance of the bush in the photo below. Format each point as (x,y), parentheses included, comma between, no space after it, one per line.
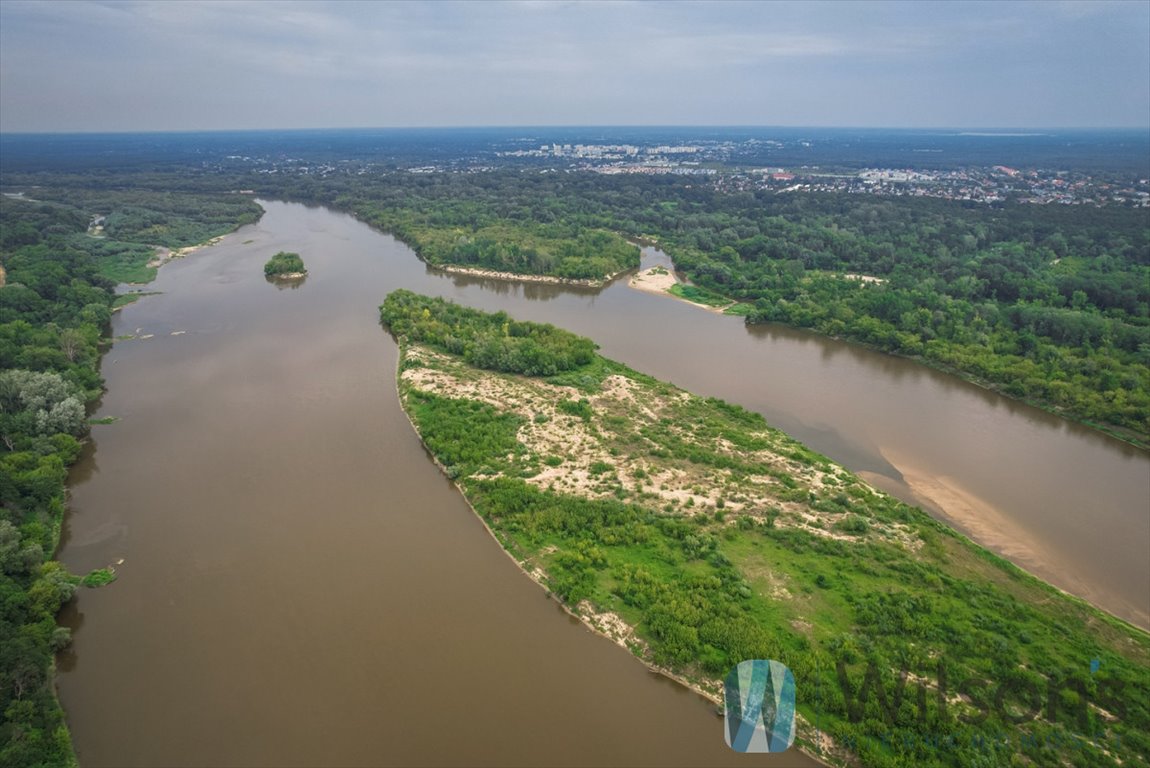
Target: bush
(284,263)
(484,339)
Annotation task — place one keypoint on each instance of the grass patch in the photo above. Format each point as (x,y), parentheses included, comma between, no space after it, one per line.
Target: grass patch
(694,293)
(98,577)
(124,299)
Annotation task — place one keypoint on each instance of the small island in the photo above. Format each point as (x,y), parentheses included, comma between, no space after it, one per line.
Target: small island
(285,266)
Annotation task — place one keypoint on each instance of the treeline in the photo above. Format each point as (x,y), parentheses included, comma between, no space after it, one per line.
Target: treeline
(485,340)
(445,224)
(126,224)
(173,219)
(524,248)
(54,307)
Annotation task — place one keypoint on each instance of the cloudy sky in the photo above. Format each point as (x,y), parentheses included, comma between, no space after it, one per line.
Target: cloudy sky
(170,65)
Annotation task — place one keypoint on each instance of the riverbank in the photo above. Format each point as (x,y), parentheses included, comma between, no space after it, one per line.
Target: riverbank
(68,301)
(693,534)
(492,274)
(663,281)
(164,255)
(986,525)
(660,280)
(607,625)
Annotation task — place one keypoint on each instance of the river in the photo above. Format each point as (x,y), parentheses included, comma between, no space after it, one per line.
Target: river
(301,586)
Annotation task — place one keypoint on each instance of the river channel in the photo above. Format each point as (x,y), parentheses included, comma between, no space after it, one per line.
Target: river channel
(301,585)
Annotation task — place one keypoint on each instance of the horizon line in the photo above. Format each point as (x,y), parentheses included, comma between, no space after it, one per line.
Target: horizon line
(1004,131)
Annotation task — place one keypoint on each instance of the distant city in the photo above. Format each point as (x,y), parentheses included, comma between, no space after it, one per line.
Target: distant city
(723,165)
(1096,168)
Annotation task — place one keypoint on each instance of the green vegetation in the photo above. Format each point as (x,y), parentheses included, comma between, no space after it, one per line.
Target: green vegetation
(119,262)
(491,341)
(526,248)
(1051,307)
(698,295)
(134,223)
(139,214)
(99,578)
(716,538)
(284,264)
(55,306)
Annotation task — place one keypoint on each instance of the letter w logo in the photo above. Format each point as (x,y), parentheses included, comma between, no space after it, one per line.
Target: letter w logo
(759,701)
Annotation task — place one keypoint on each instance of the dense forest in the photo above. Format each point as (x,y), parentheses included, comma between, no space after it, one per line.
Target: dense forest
(719,539)
(444,236)
(56,300)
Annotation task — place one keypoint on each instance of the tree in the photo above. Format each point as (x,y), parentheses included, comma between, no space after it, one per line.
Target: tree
(38,403)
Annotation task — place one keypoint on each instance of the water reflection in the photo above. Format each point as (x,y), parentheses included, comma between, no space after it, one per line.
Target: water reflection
(88,463)
(286,283)
(529,291)
(72,617)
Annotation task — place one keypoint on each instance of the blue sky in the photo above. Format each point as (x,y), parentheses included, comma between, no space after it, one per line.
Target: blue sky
(171,65)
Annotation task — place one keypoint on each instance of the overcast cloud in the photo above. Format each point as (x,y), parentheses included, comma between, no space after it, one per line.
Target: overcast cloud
(171,65)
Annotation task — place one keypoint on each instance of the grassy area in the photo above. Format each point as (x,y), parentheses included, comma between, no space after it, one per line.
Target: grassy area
(698,295)
(118,261)
(694,533)
(124,299)
(99,577)
(740,309)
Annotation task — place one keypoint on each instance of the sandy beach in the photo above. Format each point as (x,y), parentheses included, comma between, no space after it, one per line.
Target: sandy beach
(990,528)
(660,280)
(497,275)
(164,255)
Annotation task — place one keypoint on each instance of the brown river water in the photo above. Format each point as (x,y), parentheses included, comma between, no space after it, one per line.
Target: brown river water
(301,586)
